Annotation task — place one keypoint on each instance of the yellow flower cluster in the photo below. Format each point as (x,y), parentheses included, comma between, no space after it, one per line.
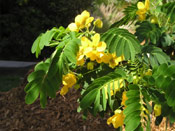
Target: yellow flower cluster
(142,9)
(157,110)
(68,81)
(117,119)
(95,51)
(84,20)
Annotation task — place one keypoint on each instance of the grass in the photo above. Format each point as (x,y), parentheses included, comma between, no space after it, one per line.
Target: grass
(9,82)
(11,78)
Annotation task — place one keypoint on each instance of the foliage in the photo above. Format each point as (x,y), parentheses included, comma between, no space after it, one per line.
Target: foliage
(128,76)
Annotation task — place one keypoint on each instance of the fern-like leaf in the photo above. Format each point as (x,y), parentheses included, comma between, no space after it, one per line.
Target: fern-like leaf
(121,42)
(101,91)
(154,56)
(148,31)
(47,76)
(133,109)
(169,10)
(44,39)
(130,15)
(164,76)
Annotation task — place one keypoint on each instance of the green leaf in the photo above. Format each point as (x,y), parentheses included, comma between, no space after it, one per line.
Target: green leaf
(130,15)
(148,31)
(169,10)
(131,126)
(166,40)
(164,80)
(99,92)
(32,94)
(104,99)
(121,42)
(35,75)
(97,103)
(44,39)
(47,37)
(71,50)
(154,56)
(35,46)
(88,99)
(43,98)
(43,81)
(133,109)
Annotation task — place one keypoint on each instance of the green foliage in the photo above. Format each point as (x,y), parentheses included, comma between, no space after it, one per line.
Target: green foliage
(121,42)
(130,15)
(169,10)
(154,56)
(98,94)
(164,76)
(133,109)
(166,40)
(148,31)
(43,40)
(145,75)
(47,76)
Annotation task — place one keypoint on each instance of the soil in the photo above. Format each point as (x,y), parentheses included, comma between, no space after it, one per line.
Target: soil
(59,115)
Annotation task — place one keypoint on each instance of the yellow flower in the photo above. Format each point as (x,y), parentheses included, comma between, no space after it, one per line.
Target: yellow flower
(64,90)
(94,49)
(147,3)
(92,54)
(154,20)
(95,39)
(68,81)
(73,27)
(124,98)
(105,58)
(117,119)
(90,65)
(114,60)
(157,110)
(88,21)
(98,23)
(149,72)
(99,57)
(142,9)
(80,59)
(101,46)
(80,20)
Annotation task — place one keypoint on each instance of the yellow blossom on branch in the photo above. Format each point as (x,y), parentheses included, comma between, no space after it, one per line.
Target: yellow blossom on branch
(117,119)
(92,49)
(73,27)
(68,81)
(114,60)
(142,9)
(98,23)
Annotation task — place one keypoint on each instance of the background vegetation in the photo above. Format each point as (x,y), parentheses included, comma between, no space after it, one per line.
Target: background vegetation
(21,21)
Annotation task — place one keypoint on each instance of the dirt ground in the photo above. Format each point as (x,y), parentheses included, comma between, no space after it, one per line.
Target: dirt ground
(59,115)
